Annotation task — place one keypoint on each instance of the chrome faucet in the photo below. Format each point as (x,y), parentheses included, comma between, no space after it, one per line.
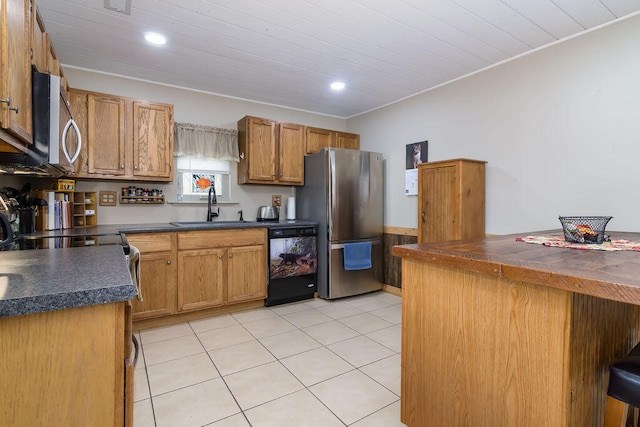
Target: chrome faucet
(212,200)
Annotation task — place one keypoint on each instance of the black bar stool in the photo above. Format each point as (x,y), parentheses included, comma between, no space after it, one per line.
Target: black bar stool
(624,389)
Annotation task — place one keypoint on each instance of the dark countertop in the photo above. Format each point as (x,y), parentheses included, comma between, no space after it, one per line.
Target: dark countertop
(34,281)
(609,275)
(47,280)
(168,227)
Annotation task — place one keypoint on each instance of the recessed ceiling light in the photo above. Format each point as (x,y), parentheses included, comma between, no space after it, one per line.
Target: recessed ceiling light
(155,38)
(337,85)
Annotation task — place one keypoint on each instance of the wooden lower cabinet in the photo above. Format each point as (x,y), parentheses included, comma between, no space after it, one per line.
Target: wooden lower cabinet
(157,274)
(247,273)
(194,271)
(201,278)
(65,367)
(221,267)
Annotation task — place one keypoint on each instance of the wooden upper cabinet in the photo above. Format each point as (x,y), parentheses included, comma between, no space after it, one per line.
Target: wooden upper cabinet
(123,138)
(290,154)
(105,137)
(270,152)
(317,139)
(451,200)
(347,140)
(79,100)
(15,72)
(39,43)
(152,140)
(257,145)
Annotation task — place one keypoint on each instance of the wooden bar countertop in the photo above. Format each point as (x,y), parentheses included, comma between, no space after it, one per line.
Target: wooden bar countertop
(612,275)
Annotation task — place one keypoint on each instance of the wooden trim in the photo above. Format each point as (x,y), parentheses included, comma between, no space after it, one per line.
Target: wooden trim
(403,231)
(392,290)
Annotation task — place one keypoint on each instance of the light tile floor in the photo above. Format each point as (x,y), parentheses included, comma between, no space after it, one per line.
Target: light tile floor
(304,364)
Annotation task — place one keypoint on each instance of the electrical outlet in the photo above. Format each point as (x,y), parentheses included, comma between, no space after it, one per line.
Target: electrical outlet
(107,198)
(276,200)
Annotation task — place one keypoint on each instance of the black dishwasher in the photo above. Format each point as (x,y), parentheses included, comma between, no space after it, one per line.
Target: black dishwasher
(293,263)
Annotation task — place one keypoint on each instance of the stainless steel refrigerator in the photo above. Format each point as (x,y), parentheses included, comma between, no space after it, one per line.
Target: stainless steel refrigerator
(343,192)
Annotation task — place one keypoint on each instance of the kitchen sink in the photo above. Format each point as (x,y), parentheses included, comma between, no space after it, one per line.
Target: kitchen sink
(208,223)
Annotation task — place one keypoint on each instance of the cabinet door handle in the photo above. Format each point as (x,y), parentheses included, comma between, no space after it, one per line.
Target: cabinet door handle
(220,257)
(7,101)
(121,166)
(168,262)
(230,255)
(424,217)
(135,168)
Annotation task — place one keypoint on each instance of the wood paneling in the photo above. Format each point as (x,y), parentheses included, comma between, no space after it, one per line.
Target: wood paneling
(601,331)
(486,351)
(393,264)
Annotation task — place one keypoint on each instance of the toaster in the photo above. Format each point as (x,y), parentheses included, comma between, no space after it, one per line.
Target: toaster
(268,213)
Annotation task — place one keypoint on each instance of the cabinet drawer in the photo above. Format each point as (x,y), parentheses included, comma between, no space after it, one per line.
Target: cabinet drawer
(221,238)
(159,242)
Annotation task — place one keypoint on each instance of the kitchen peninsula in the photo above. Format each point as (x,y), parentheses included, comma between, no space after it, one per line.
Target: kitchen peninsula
(65,337)
(497,332)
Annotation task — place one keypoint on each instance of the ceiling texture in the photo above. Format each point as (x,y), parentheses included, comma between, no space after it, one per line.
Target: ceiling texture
(287,52)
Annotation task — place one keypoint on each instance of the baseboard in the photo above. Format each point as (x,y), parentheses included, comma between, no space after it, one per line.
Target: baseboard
(392,290)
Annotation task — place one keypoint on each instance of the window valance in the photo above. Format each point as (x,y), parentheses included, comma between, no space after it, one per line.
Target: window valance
(206,142)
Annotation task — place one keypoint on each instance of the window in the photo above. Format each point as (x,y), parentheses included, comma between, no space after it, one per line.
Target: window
(194,176)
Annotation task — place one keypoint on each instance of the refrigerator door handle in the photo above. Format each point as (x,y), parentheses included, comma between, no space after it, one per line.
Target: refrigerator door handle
(374,242)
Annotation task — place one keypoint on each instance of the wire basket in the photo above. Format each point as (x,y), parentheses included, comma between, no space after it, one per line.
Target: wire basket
(585,229)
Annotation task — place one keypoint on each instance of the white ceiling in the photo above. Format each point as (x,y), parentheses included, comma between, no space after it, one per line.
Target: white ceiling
(287,52)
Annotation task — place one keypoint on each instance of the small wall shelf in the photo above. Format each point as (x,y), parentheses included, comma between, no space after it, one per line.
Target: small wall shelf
(85,209)
(141,200)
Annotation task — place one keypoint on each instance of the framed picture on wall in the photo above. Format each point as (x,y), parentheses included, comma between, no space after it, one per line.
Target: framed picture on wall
(416,154)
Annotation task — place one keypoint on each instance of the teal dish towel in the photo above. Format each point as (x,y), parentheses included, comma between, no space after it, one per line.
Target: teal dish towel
(357,256)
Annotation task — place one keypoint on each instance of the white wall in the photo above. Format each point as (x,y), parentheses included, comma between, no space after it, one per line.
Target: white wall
(560,130)
(198,108)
